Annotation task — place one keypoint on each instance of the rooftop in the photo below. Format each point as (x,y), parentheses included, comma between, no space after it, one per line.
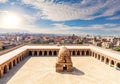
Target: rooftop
(13,53)
(41,70)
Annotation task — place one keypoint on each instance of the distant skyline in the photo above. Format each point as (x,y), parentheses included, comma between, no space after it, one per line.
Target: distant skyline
(60,16)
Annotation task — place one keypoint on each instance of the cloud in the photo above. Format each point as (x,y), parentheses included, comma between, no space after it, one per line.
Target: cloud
(98,27)
(3,1)
(84,10)
(65,29)
(114,18)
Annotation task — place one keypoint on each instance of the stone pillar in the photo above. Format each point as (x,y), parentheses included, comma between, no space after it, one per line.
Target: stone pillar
(32,53)
(100,57)
(71,53)
(7,68)
(80,53)
(97,56)
(18,59)
(115,65)
(47,53)
(52,53)
(105,60)
(110,63)
(21,58)
(42,53)
(37,53)
(1,73)
(57,52)
(85,53)
(11,65)
(75,53)
(15,61)
(90,53)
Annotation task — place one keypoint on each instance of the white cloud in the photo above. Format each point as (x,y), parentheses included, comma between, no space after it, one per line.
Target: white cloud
(114,18)
(84,10)
(98,27)
(3,1)
(65,29)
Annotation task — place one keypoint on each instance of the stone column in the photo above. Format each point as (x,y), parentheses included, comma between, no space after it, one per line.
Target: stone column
(21,57)
(32,53)
(57,52)
(15,61)
(18,59)
(100,57)
(7,68)
(75,53)
(85,53)
(11,65)
(80,53)
(115,65)
(71,53)
(105,60)
(1,73)
(52,53)
(37,53)
(90,53)
(97,56)
(42,53)
(47,53)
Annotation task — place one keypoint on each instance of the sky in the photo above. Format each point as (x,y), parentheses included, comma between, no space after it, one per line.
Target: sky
(98,17)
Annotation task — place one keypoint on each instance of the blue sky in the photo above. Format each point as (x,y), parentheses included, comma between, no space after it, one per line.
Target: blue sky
(62,16)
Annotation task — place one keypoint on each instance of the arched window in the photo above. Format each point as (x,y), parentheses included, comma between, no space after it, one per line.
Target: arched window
(35,53)
(78,52)
(5,69)
(73,53)
(10,65)
(118,65)
(102,58)
(107,60)
(45,53)
(55,53)
(50,53)
(83,53)
(40,53)
(17,60)
(112,62)
(87,53)
(30,53)
(14,63)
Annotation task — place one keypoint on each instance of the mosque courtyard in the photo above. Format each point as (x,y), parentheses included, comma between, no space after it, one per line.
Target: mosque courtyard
(41,70)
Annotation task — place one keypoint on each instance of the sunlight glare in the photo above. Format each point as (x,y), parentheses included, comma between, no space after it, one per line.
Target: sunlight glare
(11,20)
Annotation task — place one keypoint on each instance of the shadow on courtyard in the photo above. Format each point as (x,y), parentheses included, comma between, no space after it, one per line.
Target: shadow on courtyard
(13,71)
(74,72)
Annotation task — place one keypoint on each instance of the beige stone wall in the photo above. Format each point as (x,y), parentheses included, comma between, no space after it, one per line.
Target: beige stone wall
(9,64)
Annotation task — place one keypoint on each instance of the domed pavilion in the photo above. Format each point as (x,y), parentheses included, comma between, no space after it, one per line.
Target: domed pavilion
(64,61)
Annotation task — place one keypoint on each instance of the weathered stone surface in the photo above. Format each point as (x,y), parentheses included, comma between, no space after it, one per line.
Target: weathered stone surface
(64,60)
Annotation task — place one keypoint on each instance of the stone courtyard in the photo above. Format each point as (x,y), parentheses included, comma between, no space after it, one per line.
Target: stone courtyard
(41,70)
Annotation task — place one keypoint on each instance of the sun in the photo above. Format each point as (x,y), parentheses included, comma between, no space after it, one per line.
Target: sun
(11,20)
